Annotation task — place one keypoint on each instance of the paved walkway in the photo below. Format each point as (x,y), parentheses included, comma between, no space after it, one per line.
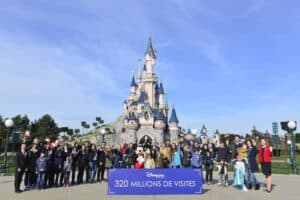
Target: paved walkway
(285,188)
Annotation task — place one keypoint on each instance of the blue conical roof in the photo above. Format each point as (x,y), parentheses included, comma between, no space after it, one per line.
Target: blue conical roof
(160,116)
(161,89)
(173,117)
(133,84)
(142,97)
(150,51)
(156,87)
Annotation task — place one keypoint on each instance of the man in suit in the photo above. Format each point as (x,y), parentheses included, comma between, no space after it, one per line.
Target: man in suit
(20,167)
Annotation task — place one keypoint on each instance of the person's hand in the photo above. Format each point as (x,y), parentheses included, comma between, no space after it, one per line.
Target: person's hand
(19,169)
(271,149)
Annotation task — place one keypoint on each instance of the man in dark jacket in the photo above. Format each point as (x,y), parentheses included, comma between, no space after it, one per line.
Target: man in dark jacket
(20,167)
(80,164)
(85,157)
(74,157)
(223,157)
(32,156)
(58,166)
(101,158)
(236,144)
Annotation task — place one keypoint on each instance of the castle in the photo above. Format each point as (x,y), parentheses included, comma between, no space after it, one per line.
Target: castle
(146,109)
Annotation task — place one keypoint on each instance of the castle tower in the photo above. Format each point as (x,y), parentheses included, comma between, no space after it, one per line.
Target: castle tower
(173,124)
(161,94)
(149,77)
(133,86)
(132,126)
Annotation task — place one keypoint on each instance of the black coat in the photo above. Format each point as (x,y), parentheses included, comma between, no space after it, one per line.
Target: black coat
(101,158)
(186,158)
(21,160)
(252,153)
(223,154)
(235,146)
(32,157)
(208,157)
(91,155)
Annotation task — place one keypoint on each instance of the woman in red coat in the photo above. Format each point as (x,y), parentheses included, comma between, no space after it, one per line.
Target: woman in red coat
(264,160)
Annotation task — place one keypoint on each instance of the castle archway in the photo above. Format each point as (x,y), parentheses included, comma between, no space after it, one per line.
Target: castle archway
(145,141)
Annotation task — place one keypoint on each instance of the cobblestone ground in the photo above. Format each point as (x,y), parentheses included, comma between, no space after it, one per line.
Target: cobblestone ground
(285,188)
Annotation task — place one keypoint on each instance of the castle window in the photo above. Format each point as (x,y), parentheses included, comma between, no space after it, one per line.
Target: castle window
(123,130)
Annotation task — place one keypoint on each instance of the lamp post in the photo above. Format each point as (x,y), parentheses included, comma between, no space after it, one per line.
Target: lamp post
(9,123)
(102,134)
(292,126)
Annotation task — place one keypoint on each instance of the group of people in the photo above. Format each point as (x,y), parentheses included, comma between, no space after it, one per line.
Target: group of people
(243,156)
(58,163)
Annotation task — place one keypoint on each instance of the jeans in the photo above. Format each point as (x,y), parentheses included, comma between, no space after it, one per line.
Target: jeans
(92,171)
(223,174)
(40,180)
(251,178)
(30,179)
(66,177)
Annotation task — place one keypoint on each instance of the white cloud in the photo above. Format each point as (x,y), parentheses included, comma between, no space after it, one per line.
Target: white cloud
(38,79)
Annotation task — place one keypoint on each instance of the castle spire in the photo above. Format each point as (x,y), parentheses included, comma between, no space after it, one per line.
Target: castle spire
(161,89)
(133,83)
(150,51)
(173,117)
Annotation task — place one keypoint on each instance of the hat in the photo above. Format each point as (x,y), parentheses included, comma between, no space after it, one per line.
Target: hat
(242,152)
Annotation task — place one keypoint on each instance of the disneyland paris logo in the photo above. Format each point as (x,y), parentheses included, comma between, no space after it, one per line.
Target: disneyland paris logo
(150,174)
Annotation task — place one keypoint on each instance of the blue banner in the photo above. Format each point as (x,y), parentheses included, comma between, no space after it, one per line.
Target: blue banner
(154,181)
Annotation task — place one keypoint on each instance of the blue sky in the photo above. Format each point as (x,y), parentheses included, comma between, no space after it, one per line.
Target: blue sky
(226,64)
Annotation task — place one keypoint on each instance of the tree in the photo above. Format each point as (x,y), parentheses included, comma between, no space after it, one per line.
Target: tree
(70,132)
(87,126)
(76,131)
(297,137)
(248,136)
(21,123)
(100,121)
(2,132)
(45,127)
(95,124)
(83,124)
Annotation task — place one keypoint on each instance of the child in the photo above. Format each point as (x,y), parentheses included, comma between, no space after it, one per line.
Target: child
(67,169)
(41,167)
(240,169)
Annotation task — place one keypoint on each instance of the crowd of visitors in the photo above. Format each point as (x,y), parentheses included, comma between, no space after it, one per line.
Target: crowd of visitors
(58,163)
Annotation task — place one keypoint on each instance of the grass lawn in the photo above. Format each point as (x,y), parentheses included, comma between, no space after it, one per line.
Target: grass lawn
(280,165)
